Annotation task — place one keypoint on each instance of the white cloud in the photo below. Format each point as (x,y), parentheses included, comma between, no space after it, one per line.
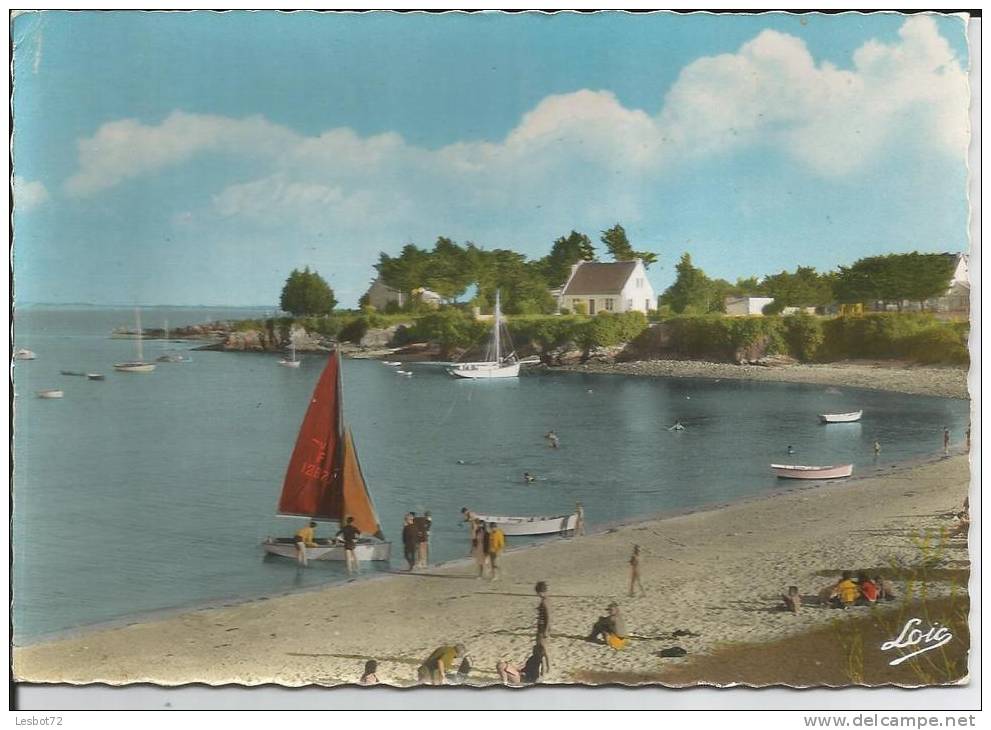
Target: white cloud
(773,93)
(574,147)
(28,194)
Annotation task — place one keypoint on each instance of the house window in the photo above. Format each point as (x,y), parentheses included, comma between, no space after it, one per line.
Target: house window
(609,305)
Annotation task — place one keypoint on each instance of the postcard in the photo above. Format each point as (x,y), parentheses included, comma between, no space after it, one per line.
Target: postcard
(480,349)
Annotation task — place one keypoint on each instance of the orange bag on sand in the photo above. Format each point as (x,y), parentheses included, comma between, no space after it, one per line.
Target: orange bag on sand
(615,642)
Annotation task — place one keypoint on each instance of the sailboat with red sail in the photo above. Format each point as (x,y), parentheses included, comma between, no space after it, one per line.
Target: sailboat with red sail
(324,481)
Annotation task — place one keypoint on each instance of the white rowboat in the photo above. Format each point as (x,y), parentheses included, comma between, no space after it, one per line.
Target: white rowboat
(50,393)
(793,471)
(840,417)
(532,525)
(23,354)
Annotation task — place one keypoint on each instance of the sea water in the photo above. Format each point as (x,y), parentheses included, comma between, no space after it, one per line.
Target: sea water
(153,491)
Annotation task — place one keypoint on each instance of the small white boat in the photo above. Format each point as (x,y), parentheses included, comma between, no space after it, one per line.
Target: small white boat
(50,393)
(292,362)
(95,376)
(139,365)
(840,417)
(393,364)
(532,525)
(285,547)
(23,354)
(794,471)
(404,372)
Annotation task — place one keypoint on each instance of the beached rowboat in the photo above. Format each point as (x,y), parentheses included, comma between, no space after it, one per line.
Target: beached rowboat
(794,471)
(532,525)
(840,417)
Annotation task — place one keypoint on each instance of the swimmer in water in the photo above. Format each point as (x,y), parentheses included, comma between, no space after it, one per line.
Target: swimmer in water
(677,426)
(461,461)
(529,478)
(790,449)
(552,439)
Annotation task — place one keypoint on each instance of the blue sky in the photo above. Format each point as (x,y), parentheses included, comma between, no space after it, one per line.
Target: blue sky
(196,158)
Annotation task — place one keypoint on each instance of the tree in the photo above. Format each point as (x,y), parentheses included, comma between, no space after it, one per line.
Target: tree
(306,294)
(405,272)
(619,247)
(447,270)
(804,288)
(521,283)
(895,278)
(565,253)
(692,290)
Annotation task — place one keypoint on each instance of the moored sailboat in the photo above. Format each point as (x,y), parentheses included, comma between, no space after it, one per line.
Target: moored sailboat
(292,362)
(324,481)
(139,365)
(496,365)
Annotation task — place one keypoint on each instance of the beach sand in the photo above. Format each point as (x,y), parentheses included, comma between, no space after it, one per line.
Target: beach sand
(949,381)
(716,573)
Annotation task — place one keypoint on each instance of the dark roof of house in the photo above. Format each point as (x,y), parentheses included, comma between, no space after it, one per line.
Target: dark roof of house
(600,278)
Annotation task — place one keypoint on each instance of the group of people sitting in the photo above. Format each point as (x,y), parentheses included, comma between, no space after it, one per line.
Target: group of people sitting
(865,590)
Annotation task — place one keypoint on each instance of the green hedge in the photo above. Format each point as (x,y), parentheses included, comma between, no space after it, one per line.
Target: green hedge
(713,335)
(605,329)
(919,337)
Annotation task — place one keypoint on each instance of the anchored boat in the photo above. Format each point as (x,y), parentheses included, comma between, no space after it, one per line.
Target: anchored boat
(794,471)
(324,481)
(139,365)
(497,366)
(840,417)
(532,525)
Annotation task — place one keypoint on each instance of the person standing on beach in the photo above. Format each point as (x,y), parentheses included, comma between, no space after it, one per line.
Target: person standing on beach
(579,520)
(479,547)
(497,543)
(409,541)
(946,442)
(422,525)
(635,572)
(305,537)
(349,534)
(877,448)
(543,613)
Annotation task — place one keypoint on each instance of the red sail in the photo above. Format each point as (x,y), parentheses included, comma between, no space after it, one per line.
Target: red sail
(313,480)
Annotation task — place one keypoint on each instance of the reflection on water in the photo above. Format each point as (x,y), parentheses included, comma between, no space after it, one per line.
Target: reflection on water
(149,491)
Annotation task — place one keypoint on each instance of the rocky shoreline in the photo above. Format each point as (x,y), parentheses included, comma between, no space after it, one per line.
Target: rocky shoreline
(890,375)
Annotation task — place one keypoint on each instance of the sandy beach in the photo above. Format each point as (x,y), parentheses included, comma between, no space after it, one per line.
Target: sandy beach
(948,381)
(716,573)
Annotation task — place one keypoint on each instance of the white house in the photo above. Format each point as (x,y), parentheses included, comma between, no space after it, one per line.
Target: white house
(957,296)
(621,286)
(380,296)
(745,306)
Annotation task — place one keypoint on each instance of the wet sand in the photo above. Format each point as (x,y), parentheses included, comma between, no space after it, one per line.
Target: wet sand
(717,573)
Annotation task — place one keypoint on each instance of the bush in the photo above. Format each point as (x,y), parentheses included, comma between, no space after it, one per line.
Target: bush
(896,335)
(804,336)
(449,328)
(354,330)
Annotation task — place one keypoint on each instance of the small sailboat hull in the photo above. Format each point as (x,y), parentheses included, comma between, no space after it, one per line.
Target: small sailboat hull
(290,363)
(840,417)
(50,393)
(363,551)
(23,354)
(134,367)
(532,525)
(95,376)
(485,370)
(793,471)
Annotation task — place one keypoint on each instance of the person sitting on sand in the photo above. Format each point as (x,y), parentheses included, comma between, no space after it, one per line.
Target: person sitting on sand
(530,671)
(508,672)
(612,624)
(369,676)
(441,661)
(845,593)
(868,589)
(792,600)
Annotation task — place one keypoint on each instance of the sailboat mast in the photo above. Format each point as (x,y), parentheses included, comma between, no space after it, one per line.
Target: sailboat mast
(137,318)
(498,357)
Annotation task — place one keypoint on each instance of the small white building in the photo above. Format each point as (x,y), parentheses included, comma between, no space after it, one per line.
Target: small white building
(746,306)
(957,296)
(619,286)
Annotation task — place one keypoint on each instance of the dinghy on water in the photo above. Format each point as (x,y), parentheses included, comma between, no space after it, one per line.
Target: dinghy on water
(532,525)
(95,376)
(794,471)
(49,393)
(324,480)
(840,417)
(23,354)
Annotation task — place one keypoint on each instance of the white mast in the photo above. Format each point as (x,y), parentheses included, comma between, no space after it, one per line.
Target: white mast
(137,318)
(498,357)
